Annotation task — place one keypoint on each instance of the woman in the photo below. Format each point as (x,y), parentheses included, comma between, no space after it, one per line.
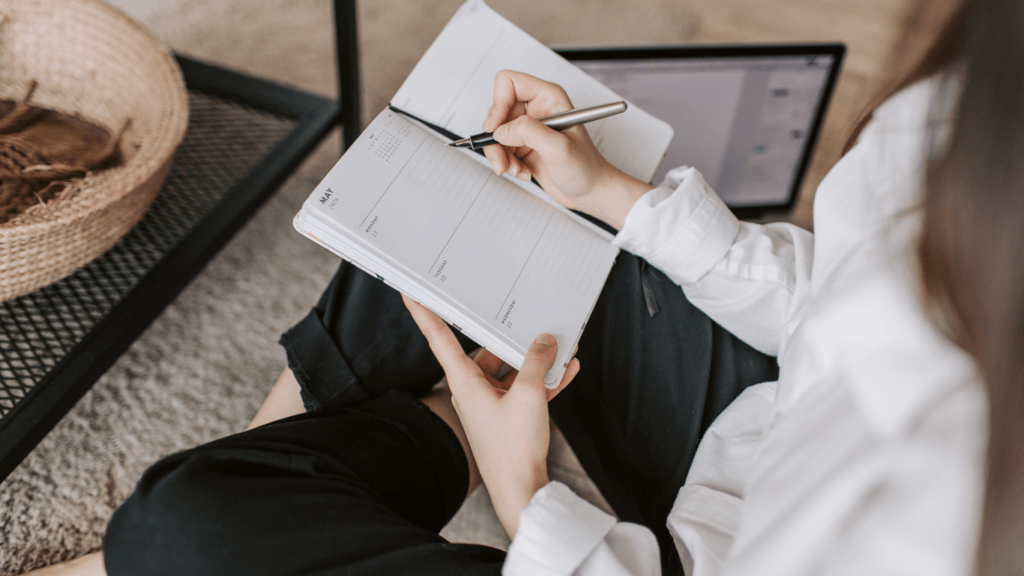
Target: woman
(875,450)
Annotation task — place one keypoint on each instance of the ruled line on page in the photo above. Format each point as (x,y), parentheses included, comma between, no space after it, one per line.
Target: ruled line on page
(459,225)
(525,264)
(497,41)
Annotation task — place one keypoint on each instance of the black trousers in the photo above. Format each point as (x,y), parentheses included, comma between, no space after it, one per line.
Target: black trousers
(363,482)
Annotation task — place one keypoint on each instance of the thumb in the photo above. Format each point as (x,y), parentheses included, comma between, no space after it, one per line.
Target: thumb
(530,132)
(539,359)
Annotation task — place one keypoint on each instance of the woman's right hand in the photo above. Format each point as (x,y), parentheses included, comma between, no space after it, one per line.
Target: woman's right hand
(566,164)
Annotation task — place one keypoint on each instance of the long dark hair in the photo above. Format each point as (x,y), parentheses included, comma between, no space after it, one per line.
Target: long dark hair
(972,246)
(972,257)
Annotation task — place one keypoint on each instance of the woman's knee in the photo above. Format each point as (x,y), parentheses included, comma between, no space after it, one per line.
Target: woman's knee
(176,522)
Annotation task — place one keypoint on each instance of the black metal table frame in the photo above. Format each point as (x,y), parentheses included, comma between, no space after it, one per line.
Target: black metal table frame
(58,391)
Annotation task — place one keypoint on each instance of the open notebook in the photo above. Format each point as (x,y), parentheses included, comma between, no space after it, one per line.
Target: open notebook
(494,256)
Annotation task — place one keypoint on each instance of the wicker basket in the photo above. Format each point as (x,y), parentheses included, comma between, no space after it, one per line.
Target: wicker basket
(93,61)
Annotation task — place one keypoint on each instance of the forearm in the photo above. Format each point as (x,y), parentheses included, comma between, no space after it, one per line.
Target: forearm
(509,496)
(613,196)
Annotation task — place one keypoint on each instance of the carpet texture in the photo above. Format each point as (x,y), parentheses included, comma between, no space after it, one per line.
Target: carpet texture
(204,366)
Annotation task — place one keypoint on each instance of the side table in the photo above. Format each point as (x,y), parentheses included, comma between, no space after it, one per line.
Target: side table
(245,136)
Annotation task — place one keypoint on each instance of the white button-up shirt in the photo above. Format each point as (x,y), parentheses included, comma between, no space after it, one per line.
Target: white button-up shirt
(866,456)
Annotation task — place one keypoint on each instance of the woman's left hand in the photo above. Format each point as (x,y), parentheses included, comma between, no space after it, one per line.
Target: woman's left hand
(505,420)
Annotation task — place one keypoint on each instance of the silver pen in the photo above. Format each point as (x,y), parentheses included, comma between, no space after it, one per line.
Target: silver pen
(559,121)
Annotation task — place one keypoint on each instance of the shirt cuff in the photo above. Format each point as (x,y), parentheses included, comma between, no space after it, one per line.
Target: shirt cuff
(683,231)
(558,530)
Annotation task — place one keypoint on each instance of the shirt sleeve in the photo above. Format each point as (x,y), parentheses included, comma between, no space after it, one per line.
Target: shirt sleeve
(561,534)
(752,279)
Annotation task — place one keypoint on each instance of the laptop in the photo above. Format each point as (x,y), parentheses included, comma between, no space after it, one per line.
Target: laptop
(747,117)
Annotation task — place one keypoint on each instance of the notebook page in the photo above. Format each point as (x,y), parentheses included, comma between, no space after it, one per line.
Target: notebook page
(512,262)
(453,86)
(529,187)
(397,277)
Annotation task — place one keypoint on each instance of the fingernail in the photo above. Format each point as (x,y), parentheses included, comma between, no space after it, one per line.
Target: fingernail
(513,169)
(546,340)
(523,176)
(493,165)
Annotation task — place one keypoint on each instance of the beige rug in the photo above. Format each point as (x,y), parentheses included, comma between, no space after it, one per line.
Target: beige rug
(202,369)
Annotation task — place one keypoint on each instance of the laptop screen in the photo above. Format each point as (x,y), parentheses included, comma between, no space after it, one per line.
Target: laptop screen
(746,117)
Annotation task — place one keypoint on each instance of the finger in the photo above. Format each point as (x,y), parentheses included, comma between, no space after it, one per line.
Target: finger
(570,372)
(510,87)
(518,169)
(518,109)
(488,362)
(503,384)
(498,156)
(504,101)
(526,171)
(501,158)
(492,120)
(497,384)
(530,132)
(539,359)
(509,377)
(442,341)
(532,162)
